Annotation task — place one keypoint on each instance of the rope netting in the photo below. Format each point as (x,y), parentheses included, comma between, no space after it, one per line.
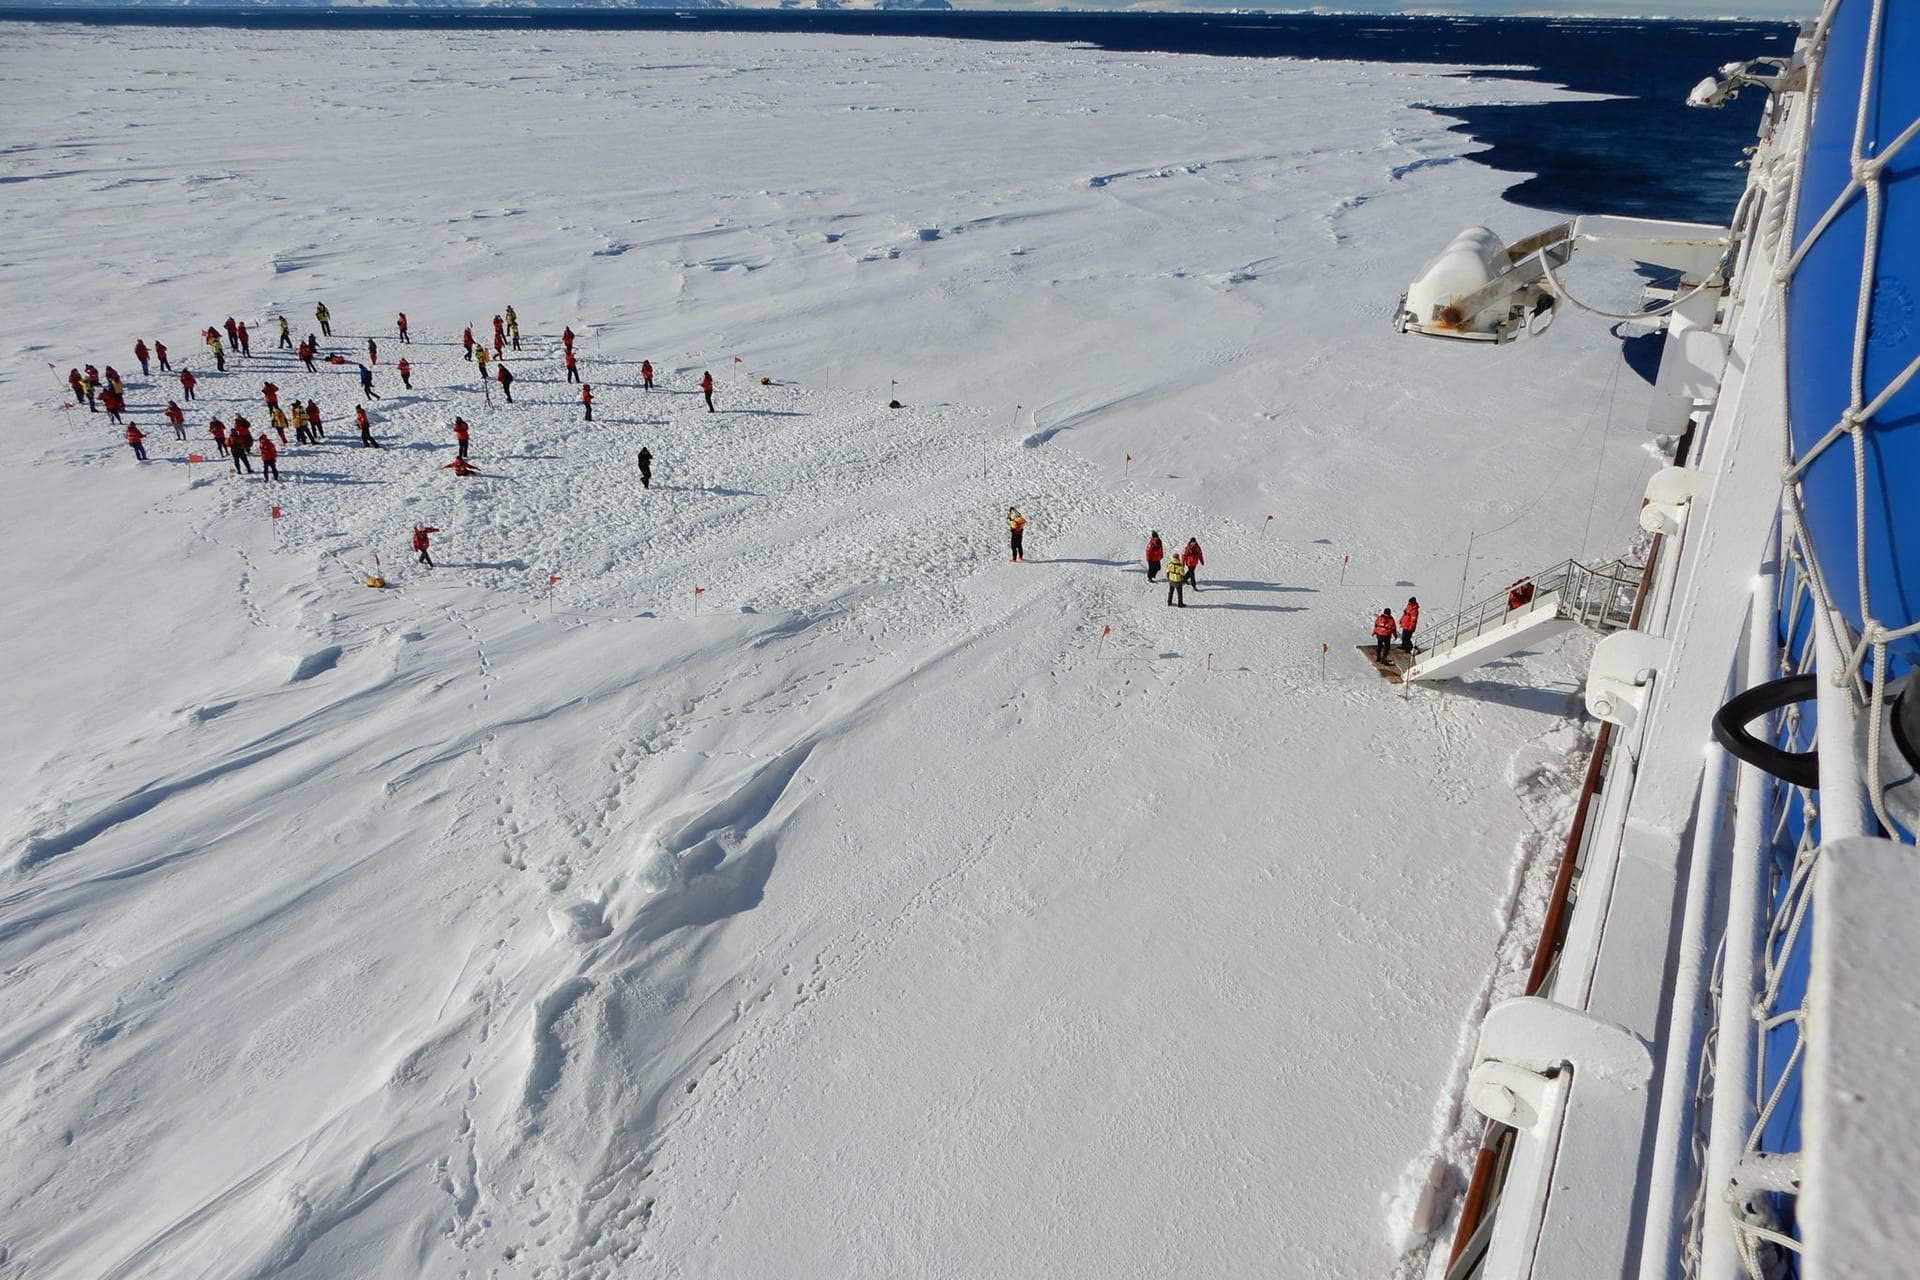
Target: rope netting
(1762,1236)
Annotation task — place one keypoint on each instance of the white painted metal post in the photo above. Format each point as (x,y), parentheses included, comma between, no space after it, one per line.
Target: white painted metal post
(1747,914)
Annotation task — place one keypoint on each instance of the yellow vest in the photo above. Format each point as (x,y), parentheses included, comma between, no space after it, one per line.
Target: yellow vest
(1176,572)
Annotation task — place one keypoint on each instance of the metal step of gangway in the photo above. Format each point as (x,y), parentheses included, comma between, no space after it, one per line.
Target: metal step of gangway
(1570,594)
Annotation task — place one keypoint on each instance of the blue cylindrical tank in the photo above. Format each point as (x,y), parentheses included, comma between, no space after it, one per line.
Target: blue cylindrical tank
(1822,302)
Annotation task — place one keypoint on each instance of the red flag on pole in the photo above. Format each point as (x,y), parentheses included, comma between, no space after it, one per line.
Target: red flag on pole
(552,578)
(276,513)
(1106,631)
(736,359)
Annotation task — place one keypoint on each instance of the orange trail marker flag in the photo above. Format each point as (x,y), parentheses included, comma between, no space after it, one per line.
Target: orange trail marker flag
(276,513)
(1104,633)
(551,579)
(697,591)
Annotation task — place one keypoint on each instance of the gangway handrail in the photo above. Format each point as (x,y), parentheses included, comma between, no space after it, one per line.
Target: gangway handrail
(1599,596)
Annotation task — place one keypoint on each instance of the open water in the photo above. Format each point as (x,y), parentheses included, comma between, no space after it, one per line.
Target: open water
(1641,151)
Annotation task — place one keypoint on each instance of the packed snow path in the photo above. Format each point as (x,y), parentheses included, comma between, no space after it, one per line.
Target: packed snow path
(880,917)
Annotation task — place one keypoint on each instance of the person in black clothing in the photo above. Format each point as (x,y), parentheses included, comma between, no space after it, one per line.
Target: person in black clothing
(366,383)
(646,467)
(504,376)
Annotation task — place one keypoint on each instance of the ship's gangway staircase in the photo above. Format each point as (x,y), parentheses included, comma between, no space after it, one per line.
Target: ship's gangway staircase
(1570,594)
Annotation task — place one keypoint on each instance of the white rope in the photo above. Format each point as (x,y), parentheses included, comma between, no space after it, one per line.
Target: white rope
(1653,313)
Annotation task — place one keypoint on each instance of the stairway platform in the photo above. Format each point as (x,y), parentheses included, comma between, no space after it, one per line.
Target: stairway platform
(1394,669)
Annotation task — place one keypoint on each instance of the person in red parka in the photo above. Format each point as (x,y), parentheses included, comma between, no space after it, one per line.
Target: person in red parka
(246,342)
(505,377)
(405,371)
(646,375)
(361,420)
(586,400)
(466,340)
(140,354)
(499,337)
(1192,558)
(113,403)
(160,356)
(218,430)
(178,417)
(134,438)
(420,540)
(566,337)
(271,393)
(706,388)
(269,460)
(313,421)
(1382,635)
(1156,552)
(460,433)
(402,324)
(186,384)
(306,352)
(79,386)
(373,352)
(1409,619)
(240,445)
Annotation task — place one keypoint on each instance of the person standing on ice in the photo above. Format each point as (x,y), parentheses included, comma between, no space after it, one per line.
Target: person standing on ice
(286,334)
(566,337)
(645,458)
(466,341)
(1191,558)
(218,430)
(586,401)
(160,356)
(325,317)
(178,418)
(219,352)
(401,324)
(405,371)
(1382,635)
(115,383)
(460,433)
(706,387)
(114,403)
(306,356)
(277,419)
(1409,619)
(513,328)
(1016,534)
(79,386)
(573,367)
(140,354)
(480,358)
(246,342)
(499,337)
(505,375)
(313,421)
(270,392)
(1176,583)
(233,335)
(366,383)
(420,541)
(361,420)
(299,415)
(269,461)
(373,352)
(1156,552)
(187,381)
(646,375)
(134,438)
(240,446)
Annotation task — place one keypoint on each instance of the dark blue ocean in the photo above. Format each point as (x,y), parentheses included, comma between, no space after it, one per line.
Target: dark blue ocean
(1642,152)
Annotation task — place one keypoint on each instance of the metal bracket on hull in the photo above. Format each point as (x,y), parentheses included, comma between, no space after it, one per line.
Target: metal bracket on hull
(1620,678)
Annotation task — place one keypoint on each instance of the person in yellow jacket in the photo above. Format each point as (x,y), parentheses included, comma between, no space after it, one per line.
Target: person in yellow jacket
(1016,526)
(325,317)
(1176,582)
(278,417)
